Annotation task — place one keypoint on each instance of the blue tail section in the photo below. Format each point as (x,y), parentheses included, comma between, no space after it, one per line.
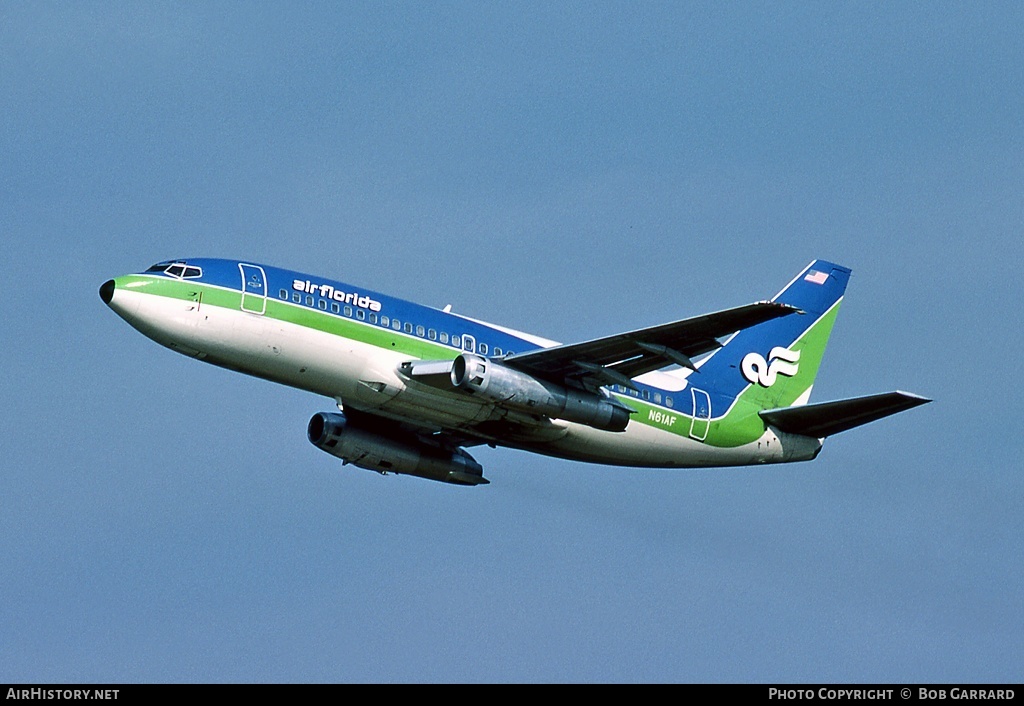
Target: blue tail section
(816,289)
(774,364)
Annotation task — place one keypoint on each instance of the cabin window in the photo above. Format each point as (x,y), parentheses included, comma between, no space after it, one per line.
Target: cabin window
(444,337)
(408,327)
(297,298)
(360,314)
(336,307)
(420,331)
(373,318)
(322,303)
(483,349)
(668,401)
(497,351)
(396,324)
(657,397)
(283,294)
(384,321)
(432,334)
(309,300)
(647,394)
(456,341)
(348,311)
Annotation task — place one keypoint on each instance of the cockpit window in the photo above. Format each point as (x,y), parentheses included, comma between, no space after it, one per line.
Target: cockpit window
(159,267)
(179,269)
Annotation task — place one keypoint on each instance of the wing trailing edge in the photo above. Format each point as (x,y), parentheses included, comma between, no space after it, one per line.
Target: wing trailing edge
(827,418)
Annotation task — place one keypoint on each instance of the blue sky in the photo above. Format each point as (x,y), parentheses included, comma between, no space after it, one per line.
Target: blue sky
(570,169)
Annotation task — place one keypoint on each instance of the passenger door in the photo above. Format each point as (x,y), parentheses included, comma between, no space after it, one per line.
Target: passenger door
(254,288)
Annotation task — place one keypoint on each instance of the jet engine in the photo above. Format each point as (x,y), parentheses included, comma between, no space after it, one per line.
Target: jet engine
(517,390)
(391,453)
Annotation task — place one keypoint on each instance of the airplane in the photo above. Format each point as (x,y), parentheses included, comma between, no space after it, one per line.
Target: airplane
(415,385)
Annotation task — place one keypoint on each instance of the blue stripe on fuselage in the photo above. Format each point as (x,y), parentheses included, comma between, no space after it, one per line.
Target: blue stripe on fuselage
(226,274)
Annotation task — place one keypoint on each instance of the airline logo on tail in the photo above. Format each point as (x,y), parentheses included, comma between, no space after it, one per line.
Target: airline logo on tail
(781,361)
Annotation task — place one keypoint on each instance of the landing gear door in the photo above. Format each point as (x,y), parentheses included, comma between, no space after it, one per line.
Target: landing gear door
(254,288)
(701,414)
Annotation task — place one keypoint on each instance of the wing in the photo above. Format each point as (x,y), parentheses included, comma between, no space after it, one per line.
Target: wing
(616,359)
(488,432)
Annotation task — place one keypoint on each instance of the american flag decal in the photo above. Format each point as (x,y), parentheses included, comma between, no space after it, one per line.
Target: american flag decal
(815,277)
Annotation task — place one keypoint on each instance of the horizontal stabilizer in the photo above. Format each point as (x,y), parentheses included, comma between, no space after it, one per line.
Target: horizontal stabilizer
(827,418)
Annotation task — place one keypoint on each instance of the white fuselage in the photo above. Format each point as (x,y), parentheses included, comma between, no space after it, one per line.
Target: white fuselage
(367,377)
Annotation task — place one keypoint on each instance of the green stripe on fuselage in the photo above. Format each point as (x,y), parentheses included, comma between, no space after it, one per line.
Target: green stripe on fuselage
(279,310)
(740,425)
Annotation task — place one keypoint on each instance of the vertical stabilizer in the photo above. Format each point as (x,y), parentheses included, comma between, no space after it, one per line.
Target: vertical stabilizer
(774,364)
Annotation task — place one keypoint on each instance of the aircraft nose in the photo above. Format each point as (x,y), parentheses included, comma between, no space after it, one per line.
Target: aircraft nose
(107,291)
